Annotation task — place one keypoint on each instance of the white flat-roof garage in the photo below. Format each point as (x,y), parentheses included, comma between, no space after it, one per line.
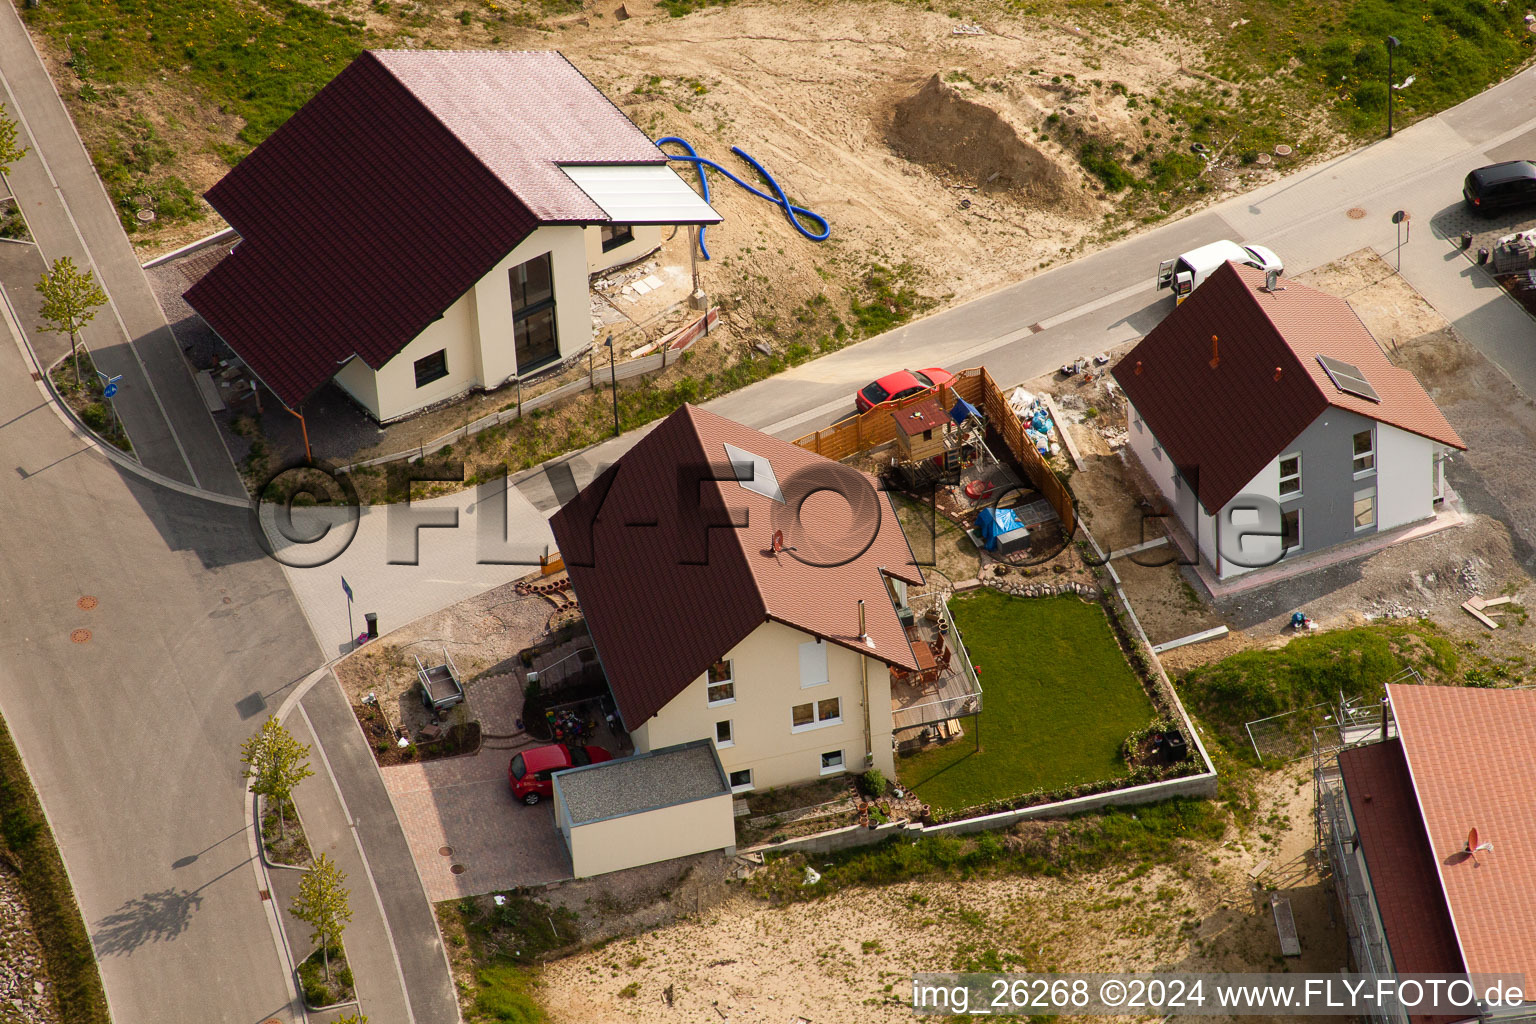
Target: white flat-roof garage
(656,806)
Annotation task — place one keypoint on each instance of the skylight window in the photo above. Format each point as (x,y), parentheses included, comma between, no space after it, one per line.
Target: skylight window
(754,473)
(1348,379)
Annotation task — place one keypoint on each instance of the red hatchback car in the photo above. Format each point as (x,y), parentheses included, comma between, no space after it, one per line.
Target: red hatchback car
(901,384)
(530,772)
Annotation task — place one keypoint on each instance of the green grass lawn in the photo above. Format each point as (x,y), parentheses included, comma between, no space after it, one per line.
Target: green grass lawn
(1059,699)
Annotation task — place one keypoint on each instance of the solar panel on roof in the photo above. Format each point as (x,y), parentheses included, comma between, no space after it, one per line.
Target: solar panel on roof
(1348,378)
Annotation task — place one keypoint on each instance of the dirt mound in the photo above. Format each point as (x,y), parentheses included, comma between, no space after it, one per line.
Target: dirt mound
(941,128)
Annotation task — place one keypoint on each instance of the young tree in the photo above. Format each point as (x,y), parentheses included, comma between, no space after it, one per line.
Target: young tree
(70,298)
(322,903)
(10,149)
(275,763)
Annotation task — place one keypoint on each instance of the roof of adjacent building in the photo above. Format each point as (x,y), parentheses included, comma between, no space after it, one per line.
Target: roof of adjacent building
(668,586)
(920,416)
(1470,753)
(390,193)
(644,782)
(1397,855)
(1222,424)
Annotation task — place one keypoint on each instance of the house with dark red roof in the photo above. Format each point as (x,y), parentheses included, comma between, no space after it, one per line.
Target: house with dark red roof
(1273,425)
(426,225)
(746,591)
(1431,834)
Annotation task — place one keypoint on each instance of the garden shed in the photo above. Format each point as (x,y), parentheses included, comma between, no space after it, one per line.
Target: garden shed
(920,430)
(656,806)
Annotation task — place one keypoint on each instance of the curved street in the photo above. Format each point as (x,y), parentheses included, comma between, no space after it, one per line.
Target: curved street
(132,733)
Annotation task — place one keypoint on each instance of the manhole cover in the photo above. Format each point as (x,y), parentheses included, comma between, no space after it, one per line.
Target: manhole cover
(86,603)
(457,869)
(1355,213)
(446,851)
(145,216)
(1283,150)
(1263,159)
(80,636)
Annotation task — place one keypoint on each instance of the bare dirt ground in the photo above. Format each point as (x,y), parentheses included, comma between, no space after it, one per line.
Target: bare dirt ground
(851,956)
(483,634)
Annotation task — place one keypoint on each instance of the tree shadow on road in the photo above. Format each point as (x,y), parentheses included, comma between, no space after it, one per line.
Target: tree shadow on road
(152,917)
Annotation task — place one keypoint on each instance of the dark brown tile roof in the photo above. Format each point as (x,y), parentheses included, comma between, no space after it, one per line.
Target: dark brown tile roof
(921,416)
(1472,754)
(667,589)
(1225,423)
(1402,869)
(390,193)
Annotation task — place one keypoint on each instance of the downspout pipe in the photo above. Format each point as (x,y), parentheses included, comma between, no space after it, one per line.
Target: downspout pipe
(869,747)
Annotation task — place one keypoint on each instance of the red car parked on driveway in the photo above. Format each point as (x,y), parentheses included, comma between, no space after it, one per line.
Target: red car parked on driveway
(901,384)
(531,771)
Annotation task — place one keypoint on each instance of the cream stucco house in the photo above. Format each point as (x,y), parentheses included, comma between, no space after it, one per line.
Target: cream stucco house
(427,224)
(719,613)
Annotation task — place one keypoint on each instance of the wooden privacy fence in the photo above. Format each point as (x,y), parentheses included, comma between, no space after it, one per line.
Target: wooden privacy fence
(876,427)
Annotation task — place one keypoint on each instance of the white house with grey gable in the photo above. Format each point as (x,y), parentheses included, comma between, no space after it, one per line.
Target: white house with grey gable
(1249,391)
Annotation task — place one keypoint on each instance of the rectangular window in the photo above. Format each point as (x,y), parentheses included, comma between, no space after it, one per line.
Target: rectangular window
(1290,476)
(1365,452)
(741,781)
(722,685)
(1136,419)
(1290,530)
(431,368)
(816,714)
(1178,483)
(1157,450)
(1365,508)
(832,762)
(533,313)
(724,735)
(615,235)
(813,664)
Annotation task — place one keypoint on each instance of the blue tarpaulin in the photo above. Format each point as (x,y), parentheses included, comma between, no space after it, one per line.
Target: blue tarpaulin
(992,523)
(963,411)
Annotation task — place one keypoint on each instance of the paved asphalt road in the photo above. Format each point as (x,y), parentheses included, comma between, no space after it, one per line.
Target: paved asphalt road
(70,214)
(132,736)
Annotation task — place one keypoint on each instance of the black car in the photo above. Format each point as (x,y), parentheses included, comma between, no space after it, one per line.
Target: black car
(1501,186)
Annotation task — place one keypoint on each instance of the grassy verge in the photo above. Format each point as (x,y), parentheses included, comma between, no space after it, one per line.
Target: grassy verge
(283,835)
(1315,669)
(1147,834)
(1059,700)
(28,845)
(321,989)
(88,398)
(495,951)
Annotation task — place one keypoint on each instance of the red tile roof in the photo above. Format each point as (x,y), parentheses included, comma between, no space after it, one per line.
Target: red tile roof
(1225,423)
(668,589)
(390,193)
(1472,755)
(1397,856)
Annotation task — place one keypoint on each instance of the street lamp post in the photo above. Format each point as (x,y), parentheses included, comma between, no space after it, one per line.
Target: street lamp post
(613,377)
(1392,44)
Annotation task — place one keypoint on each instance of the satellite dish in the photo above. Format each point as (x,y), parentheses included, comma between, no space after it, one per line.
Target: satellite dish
(1472,840)
(1474,847)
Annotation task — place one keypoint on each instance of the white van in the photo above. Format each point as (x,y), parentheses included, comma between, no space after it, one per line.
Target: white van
(1185,273)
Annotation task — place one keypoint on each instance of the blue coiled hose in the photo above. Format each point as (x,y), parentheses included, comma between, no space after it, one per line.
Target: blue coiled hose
(779,199)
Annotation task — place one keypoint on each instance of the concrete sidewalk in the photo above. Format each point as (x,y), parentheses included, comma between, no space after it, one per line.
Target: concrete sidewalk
(364,819)
(370,954)
(69,214)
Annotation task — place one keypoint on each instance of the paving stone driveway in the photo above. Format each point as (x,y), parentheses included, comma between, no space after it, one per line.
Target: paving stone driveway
(463,803)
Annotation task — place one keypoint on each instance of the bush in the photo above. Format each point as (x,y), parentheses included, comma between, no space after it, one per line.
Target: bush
(94,416)
(873,783)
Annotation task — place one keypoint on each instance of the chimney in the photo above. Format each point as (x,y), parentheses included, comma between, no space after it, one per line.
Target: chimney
(1278,371)
(1138,367)
(1272,281)
(1215,356)
(863,632)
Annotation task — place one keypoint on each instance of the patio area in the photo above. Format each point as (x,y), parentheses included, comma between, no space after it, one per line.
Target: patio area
(926,704)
